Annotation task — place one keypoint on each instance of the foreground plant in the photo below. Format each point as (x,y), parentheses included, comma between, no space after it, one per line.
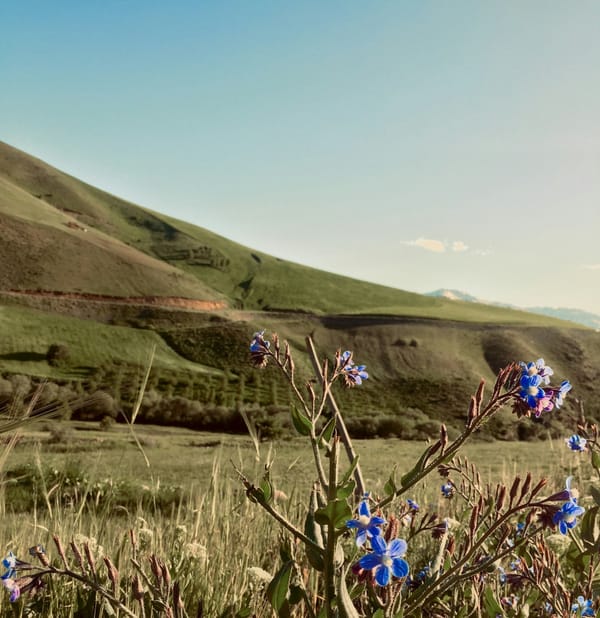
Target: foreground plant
(444,566)
(149,591)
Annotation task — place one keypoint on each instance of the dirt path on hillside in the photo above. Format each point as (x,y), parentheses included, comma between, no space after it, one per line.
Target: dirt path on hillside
(189,304)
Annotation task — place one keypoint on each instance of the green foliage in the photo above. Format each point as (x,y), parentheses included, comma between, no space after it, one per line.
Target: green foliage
(58,355)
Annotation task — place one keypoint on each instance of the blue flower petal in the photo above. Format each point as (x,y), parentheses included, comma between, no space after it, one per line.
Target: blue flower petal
(397,548)
(378,544)
(400,567)
(369,561)
(382,575)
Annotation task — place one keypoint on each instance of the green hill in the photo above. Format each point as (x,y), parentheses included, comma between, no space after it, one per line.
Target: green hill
(111,280)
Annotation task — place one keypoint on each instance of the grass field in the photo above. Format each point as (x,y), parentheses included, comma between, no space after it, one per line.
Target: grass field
(210,533)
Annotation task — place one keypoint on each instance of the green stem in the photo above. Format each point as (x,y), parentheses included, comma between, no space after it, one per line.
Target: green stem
(340,425)
(329,567)
(448,453)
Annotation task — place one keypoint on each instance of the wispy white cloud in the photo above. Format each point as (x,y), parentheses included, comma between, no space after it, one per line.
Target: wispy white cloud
(459,245)
(591,266)
(438,246)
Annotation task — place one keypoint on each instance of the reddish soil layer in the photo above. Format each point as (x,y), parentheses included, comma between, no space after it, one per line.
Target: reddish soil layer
(190,304)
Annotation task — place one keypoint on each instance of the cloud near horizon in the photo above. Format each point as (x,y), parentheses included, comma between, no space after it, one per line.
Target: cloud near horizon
(591,266)
(437,246)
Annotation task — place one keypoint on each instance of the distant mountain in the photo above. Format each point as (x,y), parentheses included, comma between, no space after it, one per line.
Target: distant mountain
(454,295)
(578,316)
(573,315)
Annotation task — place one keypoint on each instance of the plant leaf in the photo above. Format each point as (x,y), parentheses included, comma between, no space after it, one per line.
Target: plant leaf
(278,589)
(302,424)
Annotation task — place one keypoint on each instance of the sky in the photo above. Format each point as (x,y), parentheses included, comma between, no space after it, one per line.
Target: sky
(417,144)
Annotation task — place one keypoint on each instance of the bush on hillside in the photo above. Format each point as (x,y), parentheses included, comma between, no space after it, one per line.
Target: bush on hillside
(58,355)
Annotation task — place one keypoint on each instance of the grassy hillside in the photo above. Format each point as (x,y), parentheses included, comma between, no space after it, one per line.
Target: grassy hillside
(131,251)
(425,354)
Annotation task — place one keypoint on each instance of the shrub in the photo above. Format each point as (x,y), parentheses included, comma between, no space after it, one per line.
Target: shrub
(58,355)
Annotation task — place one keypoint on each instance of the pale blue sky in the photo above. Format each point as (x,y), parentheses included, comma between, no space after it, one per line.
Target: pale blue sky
(416,144)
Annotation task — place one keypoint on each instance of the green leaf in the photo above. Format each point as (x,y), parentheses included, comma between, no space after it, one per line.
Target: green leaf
(266,487)
(336,513)
(492,607)
(389,489)
(277,590)
(327,432)
(596,460)
(345,490)
(302,424)
(313,531)
(589,529)
(379,614)
(595,494)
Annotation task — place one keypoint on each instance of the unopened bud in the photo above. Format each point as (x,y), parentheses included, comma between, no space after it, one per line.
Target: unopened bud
(514,488)
(501,497)
(113,574)
(137,588)
(90,558)
(443,436)
(61,551)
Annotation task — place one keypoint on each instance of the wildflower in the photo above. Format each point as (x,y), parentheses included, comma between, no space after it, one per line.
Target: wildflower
(566,517)
(259,349)
(577,443)
(583,607)
(11,585)
(531,391)
(545,404)
(10,564)
(412,505)
(447,490)
(366,524)
(196,551)
(386,560)
(539,368)
(258,575)
(561,393)
(353,374)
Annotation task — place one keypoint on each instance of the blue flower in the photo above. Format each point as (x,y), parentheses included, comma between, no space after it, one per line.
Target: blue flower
(560,395)
(531,391)
(583,606)
(386,560)
(366,525)
(566,517)
(539,368)
(11,585)
(353,374)
(259,349)
(10,564)
(412,505)
(447,490)
(577,443)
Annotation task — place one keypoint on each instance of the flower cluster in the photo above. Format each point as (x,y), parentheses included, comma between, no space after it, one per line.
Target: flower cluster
(583,607)
(9,577)
(566,517)
(535,394)
(353,374)
(259,349)
(385,558)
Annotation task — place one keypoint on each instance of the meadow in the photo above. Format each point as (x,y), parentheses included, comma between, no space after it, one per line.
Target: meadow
(179,493)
